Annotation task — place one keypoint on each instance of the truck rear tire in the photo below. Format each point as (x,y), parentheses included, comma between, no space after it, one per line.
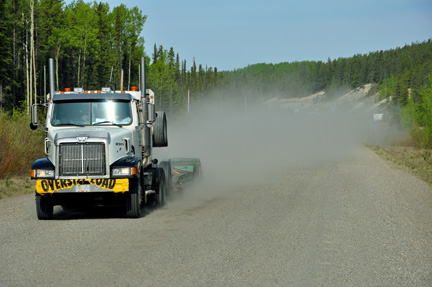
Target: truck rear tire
(161,195)
(44,207)
(133,199)
(166,166)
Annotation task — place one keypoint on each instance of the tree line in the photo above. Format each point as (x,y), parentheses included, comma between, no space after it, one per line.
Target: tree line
(89,42)
(175,85)
(408,67)
(93,46)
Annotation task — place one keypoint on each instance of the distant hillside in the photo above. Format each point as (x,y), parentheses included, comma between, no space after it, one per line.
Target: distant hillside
(363,98)
(407,67)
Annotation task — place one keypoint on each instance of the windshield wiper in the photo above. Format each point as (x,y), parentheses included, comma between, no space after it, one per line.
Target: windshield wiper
(70,124)
(107,122)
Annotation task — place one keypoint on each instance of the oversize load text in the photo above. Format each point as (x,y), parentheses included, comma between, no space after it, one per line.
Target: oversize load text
(51,185)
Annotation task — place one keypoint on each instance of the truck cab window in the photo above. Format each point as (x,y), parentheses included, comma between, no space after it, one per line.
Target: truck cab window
(71,114)
(91,113)
(111,112)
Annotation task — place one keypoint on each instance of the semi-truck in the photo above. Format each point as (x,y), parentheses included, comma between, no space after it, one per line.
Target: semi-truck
(98,149)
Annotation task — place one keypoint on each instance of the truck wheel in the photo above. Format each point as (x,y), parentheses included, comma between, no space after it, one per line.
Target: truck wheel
(162,187)
(160,134)
(44,207)
(133,199)
(166,165)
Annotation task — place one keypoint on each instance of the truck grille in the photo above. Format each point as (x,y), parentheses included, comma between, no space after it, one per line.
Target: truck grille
(82,159)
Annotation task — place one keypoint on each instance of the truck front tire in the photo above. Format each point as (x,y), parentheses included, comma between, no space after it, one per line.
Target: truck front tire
(133,199)
(44,207)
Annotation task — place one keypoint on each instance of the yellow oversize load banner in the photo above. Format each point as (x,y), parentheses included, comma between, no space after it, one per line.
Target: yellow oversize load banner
(82,185)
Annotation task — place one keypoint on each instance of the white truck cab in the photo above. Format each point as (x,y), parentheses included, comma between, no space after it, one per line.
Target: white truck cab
(99,145)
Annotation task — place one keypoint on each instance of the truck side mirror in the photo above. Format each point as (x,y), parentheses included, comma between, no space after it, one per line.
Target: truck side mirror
(33,124)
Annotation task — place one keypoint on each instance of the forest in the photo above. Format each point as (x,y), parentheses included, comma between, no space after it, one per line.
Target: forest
(93,45)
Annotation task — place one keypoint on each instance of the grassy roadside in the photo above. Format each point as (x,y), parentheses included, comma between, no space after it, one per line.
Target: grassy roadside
(414,160)
(19,147)
(16,185)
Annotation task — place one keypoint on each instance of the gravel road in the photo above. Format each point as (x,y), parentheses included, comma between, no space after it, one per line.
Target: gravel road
(358,221)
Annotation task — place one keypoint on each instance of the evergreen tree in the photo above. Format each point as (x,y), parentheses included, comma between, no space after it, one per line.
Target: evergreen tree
(5,52)
(155,53)
(51,16)
(103,58)
(117,46)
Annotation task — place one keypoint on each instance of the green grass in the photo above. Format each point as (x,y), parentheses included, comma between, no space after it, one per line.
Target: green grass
(16,185)
(19,148)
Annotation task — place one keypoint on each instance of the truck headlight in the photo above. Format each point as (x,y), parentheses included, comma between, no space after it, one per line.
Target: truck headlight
(123,171)
(42,173)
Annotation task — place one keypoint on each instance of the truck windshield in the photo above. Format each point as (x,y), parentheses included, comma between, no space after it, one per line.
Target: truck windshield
(91,113)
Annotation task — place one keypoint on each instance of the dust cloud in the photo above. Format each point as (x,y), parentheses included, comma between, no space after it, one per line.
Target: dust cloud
(240,143)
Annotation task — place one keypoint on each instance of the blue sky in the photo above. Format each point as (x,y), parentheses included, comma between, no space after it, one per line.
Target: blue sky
(231,34)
